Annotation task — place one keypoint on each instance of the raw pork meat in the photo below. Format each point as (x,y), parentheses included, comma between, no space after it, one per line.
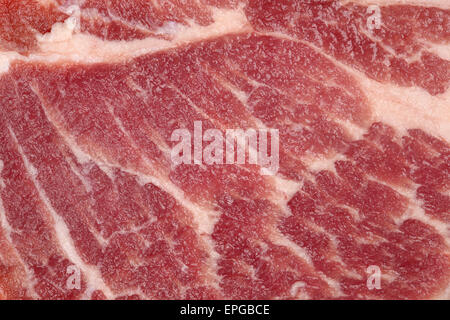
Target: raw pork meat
(91,206)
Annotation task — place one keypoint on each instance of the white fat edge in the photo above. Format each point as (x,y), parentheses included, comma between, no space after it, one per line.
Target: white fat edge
(355,131)
(82,157)
(443,4)
(317,163)
(280,239)
(61,31)
(441,50)
(91,273)
(47,3)
(64,43)
(4,63)
(127,292)
(297,290)
(170,28)
(237,93)
(287,188)
(226,21)
(6,57)
(406,108)
(445,295)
